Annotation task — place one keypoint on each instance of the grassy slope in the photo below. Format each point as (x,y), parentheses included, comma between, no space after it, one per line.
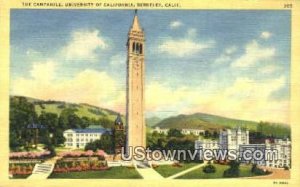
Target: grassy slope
(169,170)
(82,110)
(152,121)
(112,173)
(204,121)
(245,171)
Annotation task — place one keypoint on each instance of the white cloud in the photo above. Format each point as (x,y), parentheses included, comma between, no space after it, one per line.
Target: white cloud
(118,59)
(244,99)
(269,69)
(84,45)
(32,52)
(254,53)
(43,71)
(222,59)
(226,56)
(265,35)
(88,86)
(183,47)
(230,50)
(175,24)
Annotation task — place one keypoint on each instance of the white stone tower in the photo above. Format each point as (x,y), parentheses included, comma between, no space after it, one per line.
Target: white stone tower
(136,129)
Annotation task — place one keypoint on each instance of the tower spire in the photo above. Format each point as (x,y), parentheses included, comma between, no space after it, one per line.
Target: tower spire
(135,24)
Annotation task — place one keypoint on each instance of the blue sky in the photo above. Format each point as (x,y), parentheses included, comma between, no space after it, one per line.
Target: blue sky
(232,63)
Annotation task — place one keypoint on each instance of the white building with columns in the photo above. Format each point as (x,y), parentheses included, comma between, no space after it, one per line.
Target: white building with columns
(78,138)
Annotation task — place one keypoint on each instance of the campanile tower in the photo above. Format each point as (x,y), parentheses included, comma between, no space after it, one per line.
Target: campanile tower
(136,129)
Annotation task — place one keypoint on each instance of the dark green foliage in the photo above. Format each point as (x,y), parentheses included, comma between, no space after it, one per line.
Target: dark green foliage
(21,115)
(209,169)
(96,111)
(105,143)
(175,133)
(233,171)
(105,122)
(257,171)
(274,130)
(51,149)
(61,106)
(157,141)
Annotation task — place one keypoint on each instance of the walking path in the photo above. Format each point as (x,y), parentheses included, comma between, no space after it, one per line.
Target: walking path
(43,170)
(146,171)
(277,173)
(187,170)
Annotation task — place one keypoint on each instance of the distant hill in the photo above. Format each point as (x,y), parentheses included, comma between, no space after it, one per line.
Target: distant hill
(152,121)
(206,122)
(82,109)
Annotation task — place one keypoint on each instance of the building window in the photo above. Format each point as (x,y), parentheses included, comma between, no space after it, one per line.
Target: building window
(133,47)
(137,48)
(141,49)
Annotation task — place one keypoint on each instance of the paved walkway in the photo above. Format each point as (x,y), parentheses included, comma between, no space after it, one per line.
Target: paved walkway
(186,171)
(277,173)
(147,172)
(43,170)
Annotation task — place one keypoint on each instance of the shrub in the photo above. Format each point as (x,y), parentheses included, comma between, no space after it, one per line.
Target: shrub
(209,169)
(233,171)
(286,168)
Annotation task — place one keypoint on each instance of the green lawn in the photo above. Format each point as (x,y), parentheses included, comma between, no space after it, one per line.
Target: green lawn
(245,171)
(20,176)
(169,170)
(112,173)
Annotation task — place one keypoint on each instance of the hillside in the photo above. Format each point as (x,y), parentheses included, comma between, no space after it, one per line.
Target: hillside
(152,121)
(207,122)
(82,109)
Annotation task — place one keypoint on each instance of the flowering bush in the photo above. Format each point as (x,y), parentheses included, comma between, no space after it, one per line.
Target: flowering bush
(88,153)
(28,155)
(20,169)
(62,167)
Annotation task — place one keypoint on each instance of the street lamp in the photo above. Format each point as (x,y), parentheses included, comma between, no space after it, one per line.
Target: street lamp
(51,136)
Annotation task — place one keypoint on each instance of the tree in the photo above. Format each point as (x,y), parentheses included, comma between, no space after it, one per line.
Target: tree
(175,133)
(21,115)
(105,143)
(233,171)
(209,168)
(207,134)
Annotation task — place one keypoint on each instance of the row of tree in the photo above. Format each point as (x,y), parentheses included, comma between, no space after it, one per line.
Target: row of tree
(174,140)
(26,126)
